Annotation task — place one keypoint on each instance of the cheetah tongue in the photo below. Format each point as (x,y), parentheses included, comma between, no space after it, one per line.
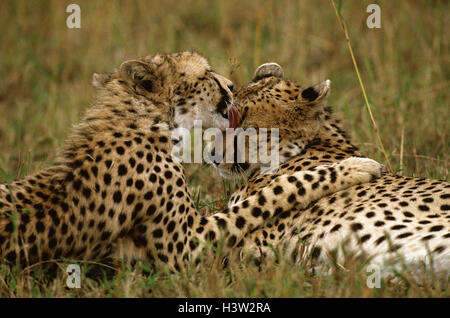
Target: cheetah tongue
(233,117)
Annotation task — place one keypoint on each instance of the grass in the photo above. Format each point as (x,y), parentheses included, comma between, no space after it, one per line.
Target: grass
(46,71)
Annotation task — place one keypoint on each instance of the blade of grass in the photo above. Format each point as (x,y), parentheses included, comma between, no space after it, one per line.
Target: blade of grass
(344,29)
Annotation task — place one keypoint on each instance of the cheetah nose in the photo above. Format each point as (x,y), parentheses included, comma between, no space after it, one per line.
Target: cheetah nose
(233,116)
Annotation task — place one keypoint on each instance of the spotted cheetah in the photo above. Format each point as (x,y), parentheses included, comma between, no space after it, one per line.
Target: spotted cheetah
(116,191)
(390,218)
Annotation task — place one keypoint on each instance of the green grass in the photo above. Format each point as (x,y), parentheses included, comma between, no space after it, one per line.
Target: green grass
(46,72)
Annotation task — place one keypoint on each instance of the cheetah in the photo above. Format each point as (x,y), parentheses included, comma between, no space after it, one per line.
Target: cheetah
(116,191)
(393,218)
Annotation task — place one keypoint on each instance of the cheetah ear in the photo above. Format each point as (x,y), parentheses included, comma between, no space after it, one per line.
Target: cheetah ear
(318,92)
(267,70)
(100,80)
(134,70)
(138,72)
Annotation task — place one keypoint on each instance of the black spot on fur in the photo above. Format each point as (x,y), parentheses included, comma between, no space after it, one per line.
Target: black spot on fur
(240,222)
(436,228)
(117,197)
(336,228)
(356,227)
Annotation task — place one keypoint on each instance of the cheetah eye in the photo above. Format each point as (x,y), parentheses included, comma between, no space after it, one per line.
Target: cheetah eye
(147,85)
(230,87)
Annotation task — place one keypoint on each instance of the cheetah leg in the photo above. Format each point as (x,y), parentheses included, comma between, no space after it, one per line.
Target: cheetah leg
(310,185)
(285,192)
(233,224)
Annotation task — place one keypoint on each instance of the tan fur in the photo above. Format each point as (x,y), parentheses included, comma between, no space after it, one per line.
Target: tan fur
(117,191)
(384,218)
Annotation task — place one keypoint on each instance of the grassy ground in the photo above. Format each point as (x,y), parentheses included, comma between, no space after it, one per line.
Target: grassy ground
(46,69)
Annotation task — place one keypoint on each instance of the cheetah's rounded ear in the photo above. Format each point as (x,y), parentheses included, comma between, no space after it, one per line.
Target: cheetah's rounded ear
(134,70)
(267,70)
(138,72)
(318,92)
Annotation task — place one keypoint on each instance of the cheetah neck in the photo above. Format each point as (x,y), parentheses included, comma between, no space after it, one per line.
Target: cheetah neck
(118,107)
(332,136)
(114,112)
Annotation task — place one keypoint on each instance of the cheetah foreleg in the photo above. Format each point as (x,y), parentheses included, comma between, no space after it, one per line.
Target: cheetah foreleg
(295,190)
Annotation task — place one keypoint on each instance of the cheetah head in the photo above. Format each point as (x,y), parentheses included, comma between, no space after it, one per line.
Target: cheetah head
(270,101)
(182,85)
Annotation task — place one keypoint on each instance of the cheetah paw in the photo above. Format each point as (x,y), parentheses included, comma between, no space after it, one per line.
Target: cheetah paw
(363,169)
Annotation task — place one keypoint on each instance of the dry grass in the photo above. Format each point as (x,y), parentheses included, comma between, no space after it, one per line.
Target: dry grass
(210,279)
(46,70)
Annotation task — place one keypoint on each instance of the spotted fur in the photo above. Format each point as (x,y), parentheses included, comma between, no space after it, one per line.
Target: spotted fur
(389,218)
(117,191)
